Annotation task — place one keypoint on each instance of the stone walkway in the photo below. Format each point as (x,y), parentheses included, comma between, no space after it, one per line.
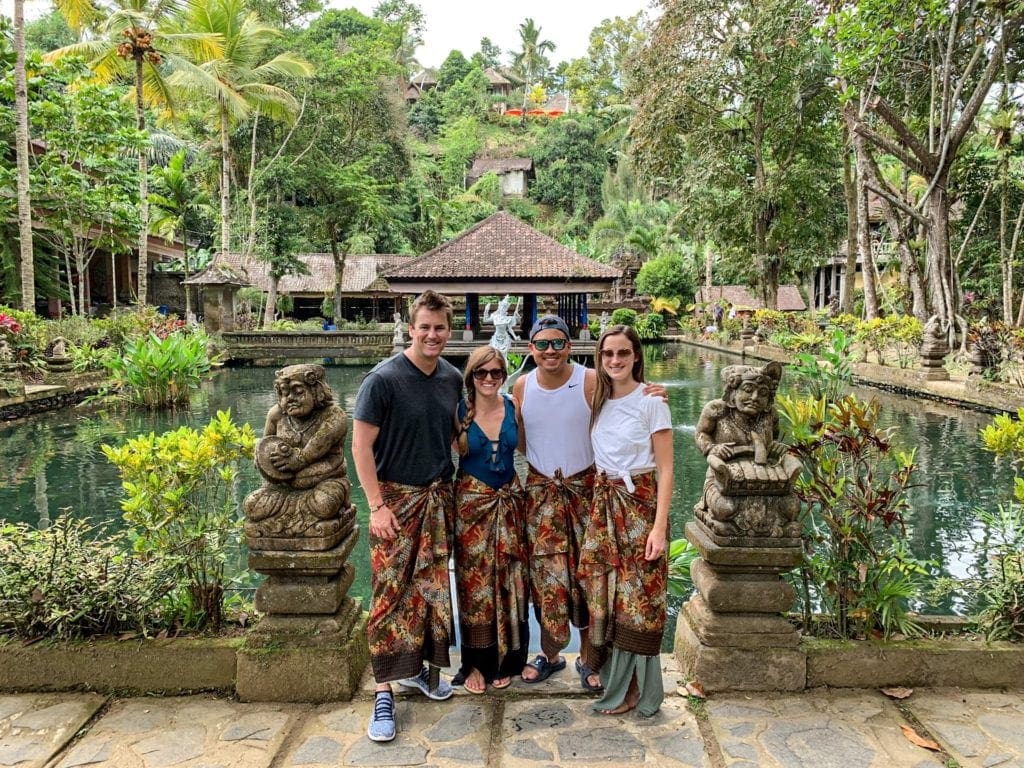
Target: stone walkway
(523,727)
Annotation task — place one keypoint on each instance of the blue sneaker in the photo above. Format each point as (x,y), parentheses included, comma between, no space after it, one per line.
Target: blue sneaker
(382,723)
(422,681)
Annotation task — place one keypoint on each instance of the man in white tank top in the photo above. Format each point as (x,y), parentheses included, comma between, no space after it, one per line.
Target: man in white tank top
(554,402)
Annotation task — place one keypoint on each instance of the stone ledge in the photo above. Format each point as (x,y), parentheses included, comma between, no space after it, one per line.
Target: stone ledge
(960,663)
(131,666)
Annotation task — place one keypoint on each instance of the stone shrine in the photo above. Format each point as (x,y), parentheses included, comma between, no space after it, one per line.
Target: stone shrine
(301,529)
(733,635)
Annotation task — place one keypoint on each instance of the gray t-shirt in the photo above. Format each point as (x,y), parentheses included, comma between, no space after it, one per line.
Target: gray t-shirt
(415,413)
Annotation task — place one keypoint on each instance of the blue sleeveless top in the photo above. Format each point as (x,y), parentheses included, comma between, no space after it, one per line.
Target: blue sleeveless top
(488,462)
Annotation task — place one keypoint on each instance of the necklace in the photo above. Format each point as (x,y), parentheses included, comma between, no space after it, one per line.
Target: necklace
(301,432)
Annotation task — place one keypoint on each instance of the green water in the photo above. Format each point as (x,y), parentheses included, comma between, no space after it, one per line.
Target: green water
(54,462)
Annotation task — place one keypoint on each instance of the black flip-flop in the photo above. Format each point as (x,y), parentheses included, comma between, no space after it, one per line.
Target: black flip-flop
(585,672)
(545,668)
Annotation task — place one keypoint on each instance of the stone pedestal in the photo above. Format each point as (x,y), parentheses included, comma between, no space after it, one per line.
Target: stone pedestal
(732,634)
(933,355)
(310,645)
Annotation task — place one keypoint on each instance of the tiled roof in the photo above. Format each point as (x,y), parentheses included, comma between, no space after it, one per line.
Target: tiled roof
(426,77)
(362,272)
(740,297)
(219,273)
(503,247)
(499,165)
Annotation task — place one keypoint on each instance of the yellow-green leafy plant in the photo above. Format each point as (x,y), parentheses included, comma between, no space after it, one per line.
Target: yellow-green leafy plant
(180,503)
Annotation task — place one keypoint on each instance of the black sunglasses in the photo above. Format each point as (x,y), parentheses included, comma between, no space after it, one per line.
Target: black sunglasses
(556,344)
(482,373)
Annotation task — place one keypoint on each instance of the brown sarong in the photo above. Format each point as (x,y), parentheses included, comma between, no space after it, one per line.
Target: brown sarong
(556,518)
(490,563)
(411,602)
(625,592)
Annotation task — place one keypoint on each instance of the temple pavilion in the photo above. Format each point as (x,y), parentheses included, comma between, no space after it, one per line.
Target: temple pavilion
(504,255)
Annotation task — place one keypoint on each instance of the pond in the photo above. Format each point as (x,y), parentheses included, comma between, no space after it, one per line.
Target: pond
(54,462)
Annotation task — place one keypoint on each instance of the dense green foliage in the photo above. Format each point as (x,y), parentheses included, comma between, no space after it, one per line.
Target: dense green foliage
(180,500)
(70,581)
(156,372)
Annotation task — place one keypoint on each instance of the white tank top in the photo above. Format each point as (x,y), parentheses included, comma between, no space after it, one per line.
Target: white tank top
(557,424)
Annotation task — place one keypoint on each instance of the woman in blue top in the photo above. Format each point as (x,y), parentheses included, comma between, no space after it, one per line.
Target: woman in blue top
(490,561)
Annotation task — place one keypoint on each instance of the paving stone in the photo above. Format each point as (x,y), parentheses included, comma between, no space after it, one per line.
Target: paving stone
(600,744)
(980,729)
(815,729)
(461,753)
(546,715)
(35,727)
(171,747)
(461,721)
(344,721)
(187,731)
(87,753)
(318,749)
(528,749)
(256,727)
(403,751)
(818,745)
(685,747)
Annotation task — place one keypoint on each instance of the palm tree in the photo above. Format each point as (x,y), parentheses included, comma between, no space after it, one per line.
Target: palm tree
(28,278)
(531,60)
(128,40)
(237,80)
(175,200)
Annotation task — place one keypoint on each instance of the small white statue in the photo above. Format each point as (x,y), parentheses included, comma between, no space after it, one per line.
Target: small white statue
(604,320)
(398,340)
(504,325)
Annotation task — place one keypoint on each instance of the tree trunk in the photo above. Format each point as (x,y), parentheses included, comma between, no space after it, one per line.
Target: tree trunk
(339,256)
(270,310)
(27,260)
(867,262)
(225,201)
(852,217)
(140,123)
(941,281)
(250,245)
(188,288)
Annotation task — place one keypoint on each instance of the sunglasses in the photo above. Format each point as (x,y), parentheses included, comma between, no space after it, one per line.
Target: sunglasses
(556,344)
(622,354)
(496,374)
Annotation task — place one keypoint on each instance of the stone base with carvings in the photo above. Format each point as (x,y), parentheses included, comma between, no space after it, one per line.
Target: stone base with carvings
(311,643)
(732,634)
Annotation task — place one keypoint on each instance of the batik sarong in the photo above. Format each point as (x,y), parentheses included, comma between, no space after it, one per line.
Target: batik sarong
(625,592)
(556,517)
(411,603)
(490,564)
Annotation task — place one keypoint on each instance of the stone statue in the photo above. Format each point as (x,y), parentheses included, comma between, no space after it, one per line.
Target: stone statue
(398,340)
(604,320)
(504,325)
(304,501)
(748,486)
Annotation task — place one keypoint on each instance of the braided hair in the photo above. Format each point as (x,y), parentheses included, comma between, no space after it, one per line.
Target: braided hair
(477,357)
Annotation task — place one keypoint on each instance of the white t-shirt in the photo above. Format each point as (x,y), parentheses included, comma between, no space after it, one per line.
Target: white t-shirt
(622,434)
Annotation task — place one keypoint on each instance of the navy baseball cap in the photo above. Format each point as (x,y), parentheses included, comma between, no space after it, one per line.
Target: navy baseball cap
(550,323)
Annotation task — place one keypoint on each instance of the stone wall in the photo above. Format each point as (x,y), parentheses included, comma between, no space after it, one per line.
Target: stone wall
(166,290)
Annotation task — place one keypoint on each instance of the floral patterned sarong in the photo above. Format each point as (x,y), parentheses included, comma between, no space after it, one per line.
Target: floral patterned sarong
(556,518)
(490,563)
(411,602)
(625,592)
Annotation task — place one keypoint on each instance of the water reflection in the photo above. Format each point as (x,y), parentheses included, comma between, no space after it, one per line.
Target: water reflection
(54,461)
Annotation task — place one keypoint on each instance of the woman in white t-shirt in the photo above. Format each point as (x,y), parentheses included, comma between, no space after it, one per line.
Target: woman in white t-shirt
(623,564)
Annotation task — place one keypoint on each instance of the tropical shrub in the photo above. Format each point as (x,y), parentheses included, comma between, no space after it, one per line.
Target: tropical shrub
(853,494)
(73,580)
(901,333)
(827,373)
(624,316)
(681,554)
(650,325)
(157,372)
(180,502)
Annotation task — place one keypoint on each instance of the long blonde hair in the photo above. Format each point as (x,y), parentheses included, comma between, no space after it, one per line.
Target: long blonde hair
(477,357)
(603,389)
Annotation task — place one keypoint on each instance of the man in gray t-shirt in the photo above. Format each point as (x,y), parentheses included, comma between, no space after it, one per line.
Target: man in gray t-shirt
(401,444)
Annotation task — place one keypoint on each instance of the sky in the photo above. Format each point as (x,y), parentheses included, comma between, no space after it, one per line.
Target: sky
(460,24)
